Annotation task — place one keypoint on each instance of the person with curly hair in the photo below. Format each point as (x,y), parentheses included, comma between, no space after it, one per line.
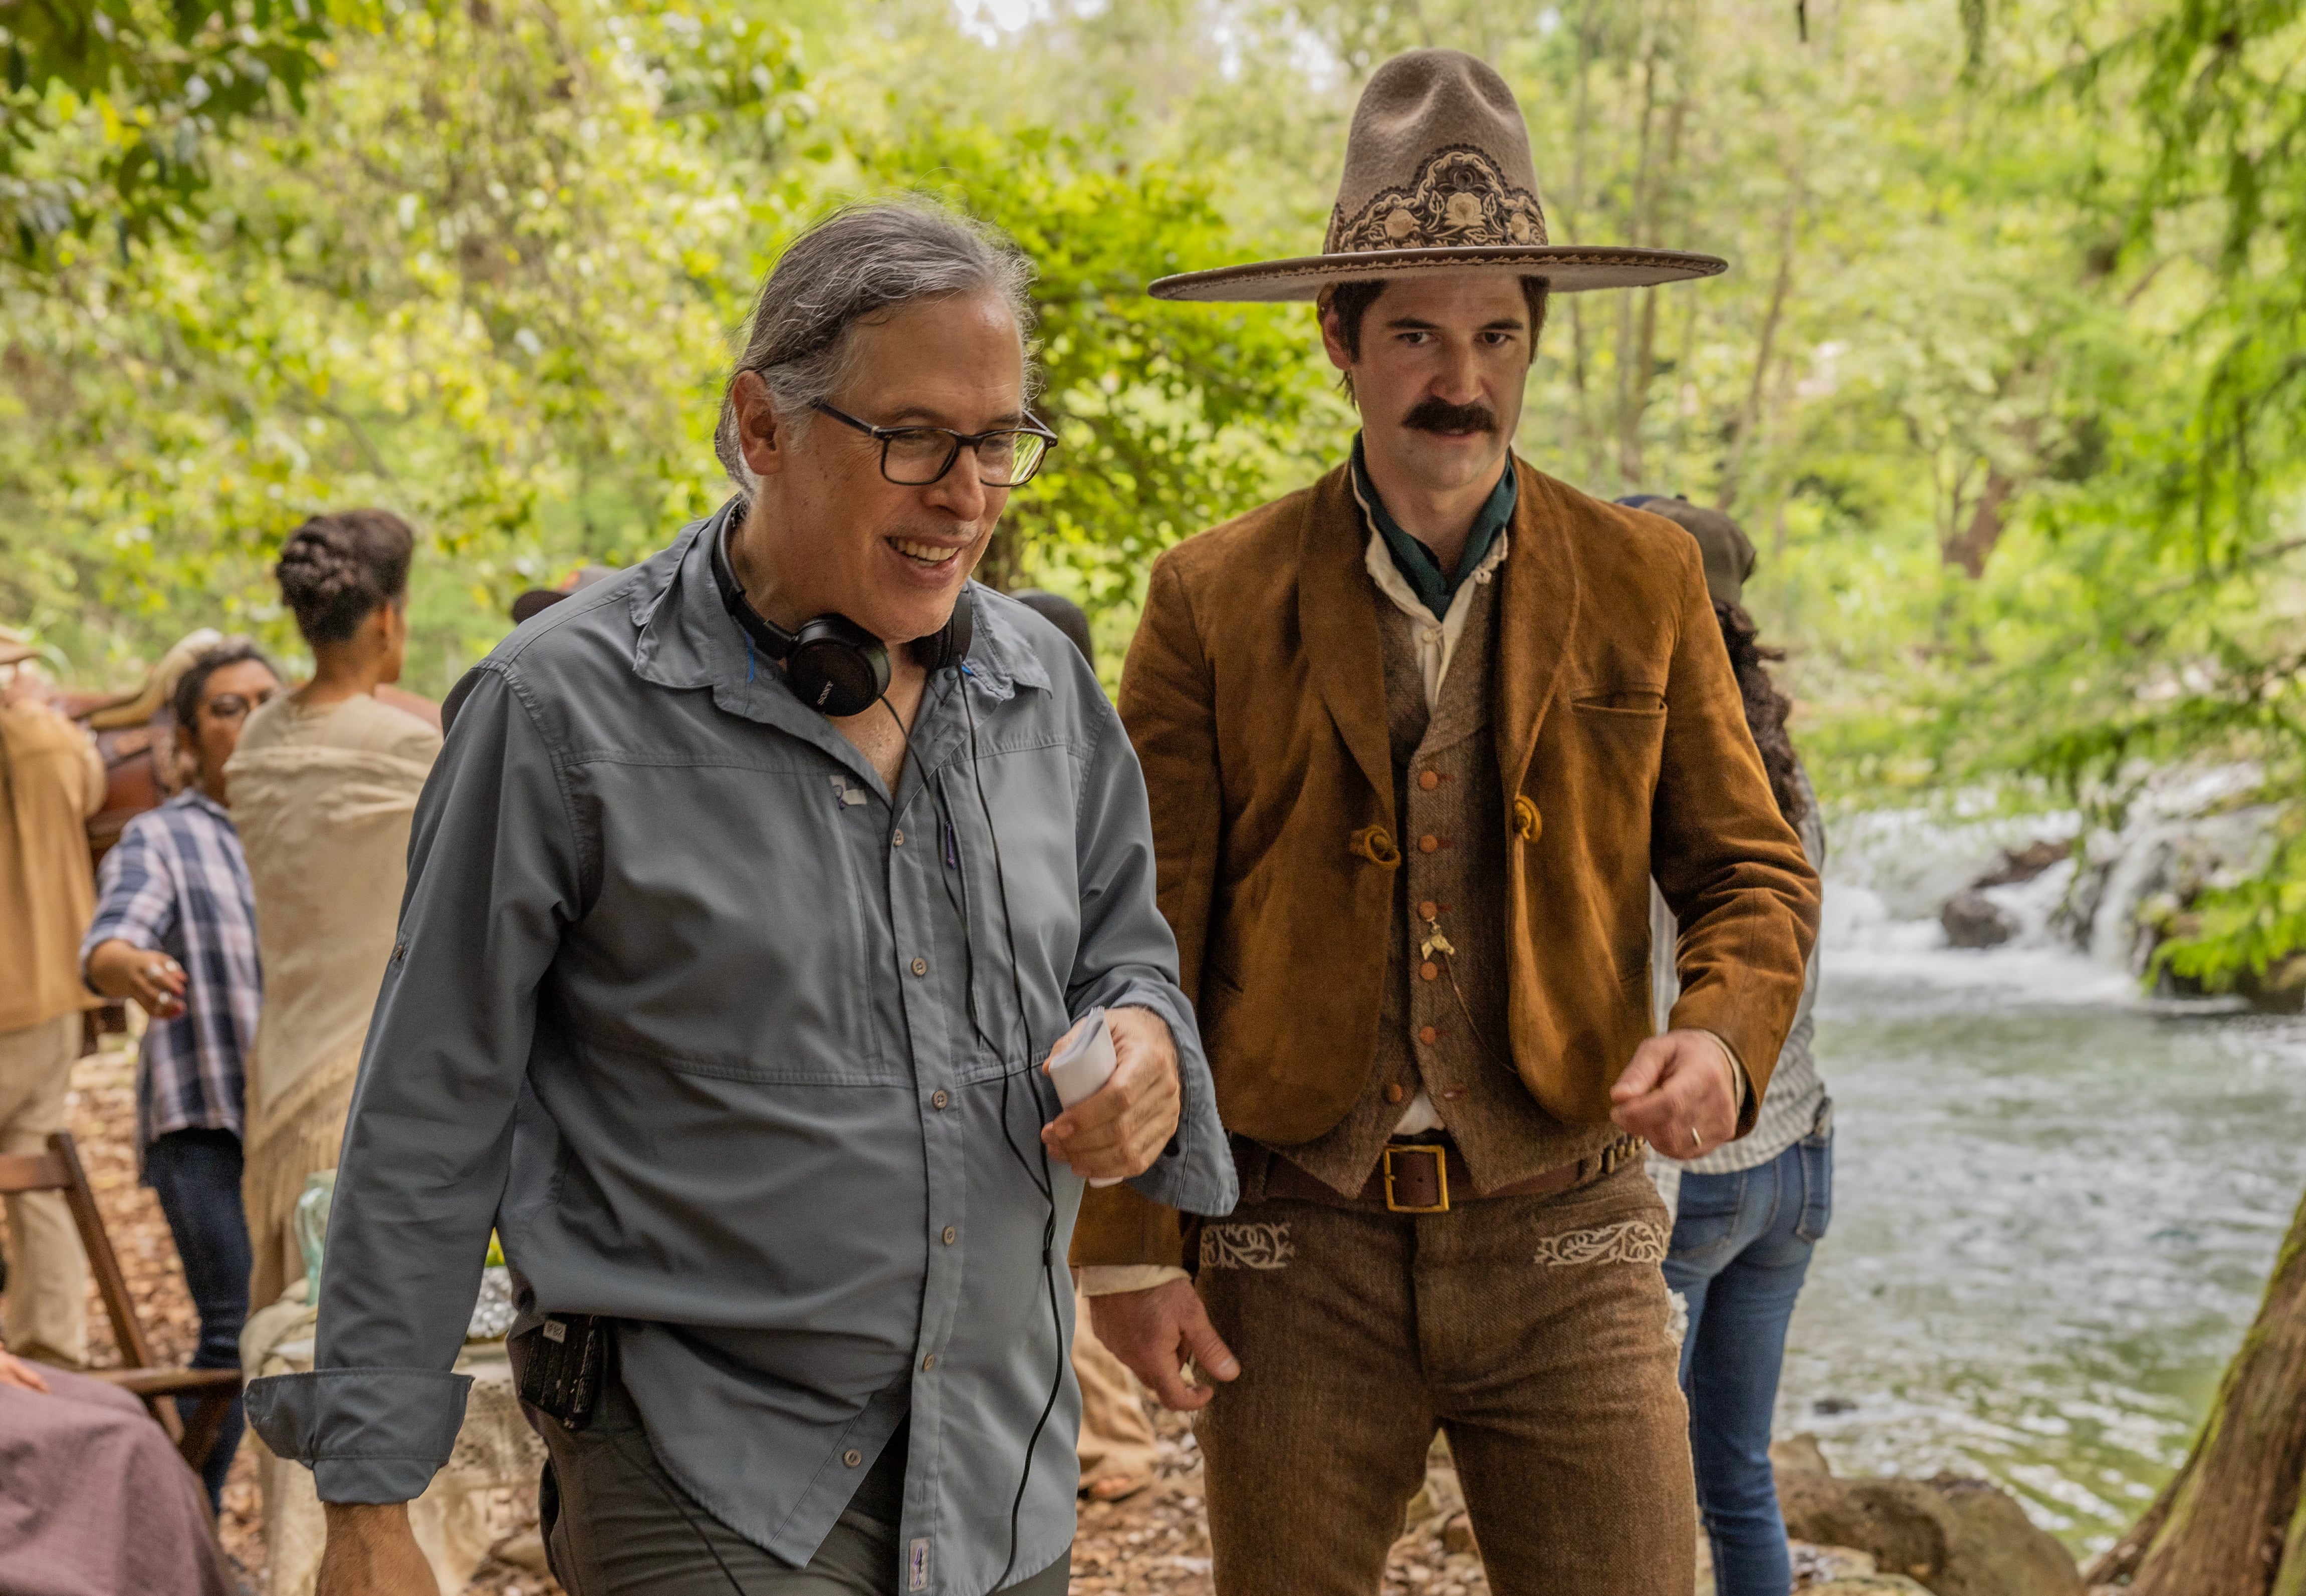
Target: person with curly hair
(1748,1215)
(324,785)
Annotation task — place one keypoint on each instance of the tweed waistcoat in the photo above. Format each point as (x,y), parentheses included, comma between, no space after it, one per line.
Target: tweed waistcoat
(1441,1027)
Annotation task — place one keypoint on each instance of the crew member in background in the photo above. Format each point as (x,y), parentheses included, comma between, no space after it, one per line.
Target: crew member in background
(51,780)
(323,789)
(1416,740)
(1746,1216)
(175,929)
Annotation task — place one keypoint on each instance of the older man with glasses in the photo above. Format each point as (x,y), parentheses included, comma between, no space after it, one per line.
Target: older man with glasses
(753,889)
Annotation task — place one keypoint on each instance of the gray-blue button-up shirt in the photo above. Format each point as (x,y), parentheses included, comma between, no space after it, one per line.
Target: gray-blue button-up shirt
(721,1036)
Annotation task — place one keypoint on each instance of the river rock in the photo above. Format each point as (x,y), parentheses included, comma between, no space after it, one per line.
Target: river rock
(1974,920)
(1957,1537)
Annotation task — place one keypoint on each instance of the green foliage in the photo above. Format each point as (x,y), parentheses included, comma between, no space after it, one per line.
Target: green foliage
(2007,380)
(1173,417)
(112,106)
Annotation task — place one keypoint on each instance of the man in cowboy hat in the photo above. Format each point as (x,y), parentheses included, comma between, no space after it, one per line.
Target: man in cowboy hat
(1417,739)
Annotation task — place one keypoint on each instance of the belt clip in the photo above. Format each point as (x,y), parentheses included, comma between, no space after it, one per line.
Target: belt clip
(1440,1179)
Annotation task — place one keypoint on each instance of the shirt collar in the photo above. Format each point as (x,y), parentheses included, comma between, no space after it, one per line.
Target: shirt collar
(1412,559)
(689,640)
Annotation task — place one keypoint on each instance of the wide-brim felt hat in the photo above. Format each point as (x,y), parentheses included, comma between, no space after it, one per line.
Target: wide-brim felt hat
(1438,178)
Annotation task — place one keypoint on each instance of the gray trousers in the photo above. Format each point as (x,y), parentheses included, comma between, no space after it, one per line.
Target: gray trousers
(615,1521)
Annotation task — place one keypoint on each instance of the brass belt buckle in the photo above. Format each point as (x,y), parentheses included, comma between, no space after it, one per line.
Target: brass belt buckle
(1441,1179)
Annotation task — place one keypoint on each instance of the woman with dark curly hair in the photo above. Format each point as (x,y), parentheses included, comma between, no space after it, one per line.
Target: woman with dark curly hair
(1749,1214)
(323,787)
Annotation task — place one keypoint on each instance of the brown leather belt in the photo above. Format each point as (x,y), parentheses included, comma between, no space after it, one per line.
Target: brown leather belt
(1426,1177)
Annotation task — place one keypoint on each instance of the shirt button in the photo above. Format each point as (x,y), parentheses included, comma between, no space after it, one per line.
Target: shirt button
(1429,781)
(1428,1036)
(852,1457)
(1428,843)
(1394,1094)
(920,966)
(897,838)
(939,1099)
(928,1363)
(1429,909)
(1428,971)
(951,1235)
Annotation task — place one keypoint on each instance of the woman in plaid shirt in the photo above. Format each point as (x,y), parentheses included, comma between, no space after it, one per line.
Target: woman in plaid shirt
(175,929)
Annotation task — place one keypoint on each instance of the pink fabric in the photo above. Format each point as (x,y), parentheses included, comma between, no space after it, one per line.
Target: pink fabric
(95,1501)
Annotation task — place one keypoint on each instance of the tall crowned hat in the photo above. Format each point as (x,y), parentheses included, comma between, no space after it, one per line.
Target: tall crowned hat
(1438,178)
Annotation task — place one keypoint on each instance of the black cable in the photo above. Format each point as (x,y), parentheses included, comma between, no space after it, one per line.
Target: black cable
(1047,1184)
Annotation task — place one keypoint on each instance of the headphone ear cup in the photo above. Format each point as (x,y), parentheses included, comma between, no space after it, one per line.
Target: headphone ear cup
(837,668)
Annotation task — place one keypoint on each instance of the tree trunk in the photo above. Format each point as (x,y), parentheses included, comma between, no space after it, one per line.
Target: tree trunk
(2232,1523)
(1969,548)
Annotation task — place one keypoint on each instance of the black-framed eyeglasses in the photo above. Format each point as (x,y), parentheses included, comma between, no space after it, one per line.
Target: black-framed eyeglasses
(915,457)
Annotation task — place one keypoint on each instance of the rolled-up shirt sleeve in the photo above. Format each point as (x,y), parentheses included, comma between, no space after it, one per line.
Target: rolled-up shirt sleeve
(1127,956)
(136,896)
(494,875)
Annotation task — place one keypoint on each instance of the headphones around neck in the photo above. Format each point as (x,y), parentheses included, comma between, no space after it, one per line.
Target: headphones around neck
(833,665)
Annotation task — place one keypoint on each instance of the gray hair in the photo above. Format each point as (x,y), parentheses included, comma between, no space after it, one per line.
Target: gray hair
(859,262)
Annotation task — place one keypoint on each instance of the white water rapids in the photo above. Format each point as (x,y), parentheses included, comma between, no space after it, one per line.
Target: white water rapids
(2056,1198)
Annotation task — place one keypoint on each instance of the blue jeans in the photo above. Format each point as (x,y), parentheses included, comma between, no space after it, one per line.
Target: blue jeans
(1741,1246)
(196,1175)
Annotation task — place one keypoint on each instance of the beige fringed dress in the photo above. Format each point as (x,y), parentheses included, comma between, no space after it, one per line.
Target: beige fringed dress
(323,799)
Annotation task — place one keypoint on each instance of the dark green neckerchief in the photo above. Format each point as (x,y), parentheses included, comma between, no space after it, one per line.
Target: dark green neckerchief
(1414,559)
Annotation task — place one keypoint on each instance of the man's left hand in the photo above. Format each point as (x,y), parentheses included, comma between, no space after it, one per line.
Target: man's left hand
(1679,1095)
(1120,1127)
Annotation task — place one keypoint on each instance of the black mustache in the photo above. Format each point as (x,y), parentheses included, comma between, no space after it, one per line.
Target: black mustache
(1439,416)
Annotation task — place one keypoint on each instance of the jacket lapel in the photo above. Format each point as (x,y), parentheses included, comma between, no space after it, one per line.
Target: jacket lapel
(1541,605)
(1337,618)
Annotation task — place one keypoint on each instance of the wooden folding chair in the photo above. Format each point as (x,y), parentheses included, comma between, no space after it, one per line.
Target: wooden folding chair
(59,1169)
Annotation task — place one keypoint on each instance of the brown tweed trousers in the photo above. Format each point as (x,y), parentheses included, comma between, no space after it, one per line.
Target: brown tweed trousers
(1532,1330)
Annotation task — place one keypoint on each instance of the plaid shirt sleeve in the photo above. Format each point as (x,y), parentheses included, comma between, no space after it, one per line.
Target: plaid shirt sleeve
(136,894)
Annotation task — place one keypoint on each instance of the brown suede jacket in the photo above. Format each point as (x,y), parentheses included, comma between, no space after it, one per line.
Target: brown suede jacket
(1255,697)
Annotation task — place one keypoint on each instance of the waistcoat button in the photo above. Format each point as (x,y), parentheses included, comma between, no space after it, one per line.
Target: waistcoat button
(898,839)
(951,1235)
(1428,910)
(1394,1094)
(1428,1036)
(1429,781)
(920,966)
(852,1457)
(1430,971)
(1428,843)
(928,1363)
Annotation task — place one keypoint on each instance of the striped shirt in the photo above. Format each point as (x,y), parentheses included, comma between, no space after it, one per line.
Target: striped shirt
(177,882)
(1795,1101)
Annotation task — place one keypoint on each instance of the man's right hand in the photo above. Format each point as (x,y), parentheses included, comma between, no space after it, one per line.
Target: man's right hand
(371,1551)
(1157,1332)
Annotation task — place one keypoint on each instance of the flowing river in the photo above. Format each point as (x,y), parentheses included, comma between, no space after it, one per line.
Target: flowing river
(2056,1204)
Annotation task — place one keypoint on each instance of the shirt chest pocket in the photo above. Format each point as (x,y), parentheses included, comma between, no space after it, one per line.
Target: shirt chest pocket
(1016,872)
(732,934)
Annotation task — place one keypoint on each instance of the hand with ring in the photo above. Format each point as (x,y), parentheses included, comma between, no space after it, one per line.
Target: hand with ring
(1680,1094)
(119,968)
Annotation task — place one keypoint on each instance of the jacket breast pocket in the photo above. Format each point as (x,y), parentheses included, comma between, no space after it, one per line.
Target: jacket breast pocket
(1623,734)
